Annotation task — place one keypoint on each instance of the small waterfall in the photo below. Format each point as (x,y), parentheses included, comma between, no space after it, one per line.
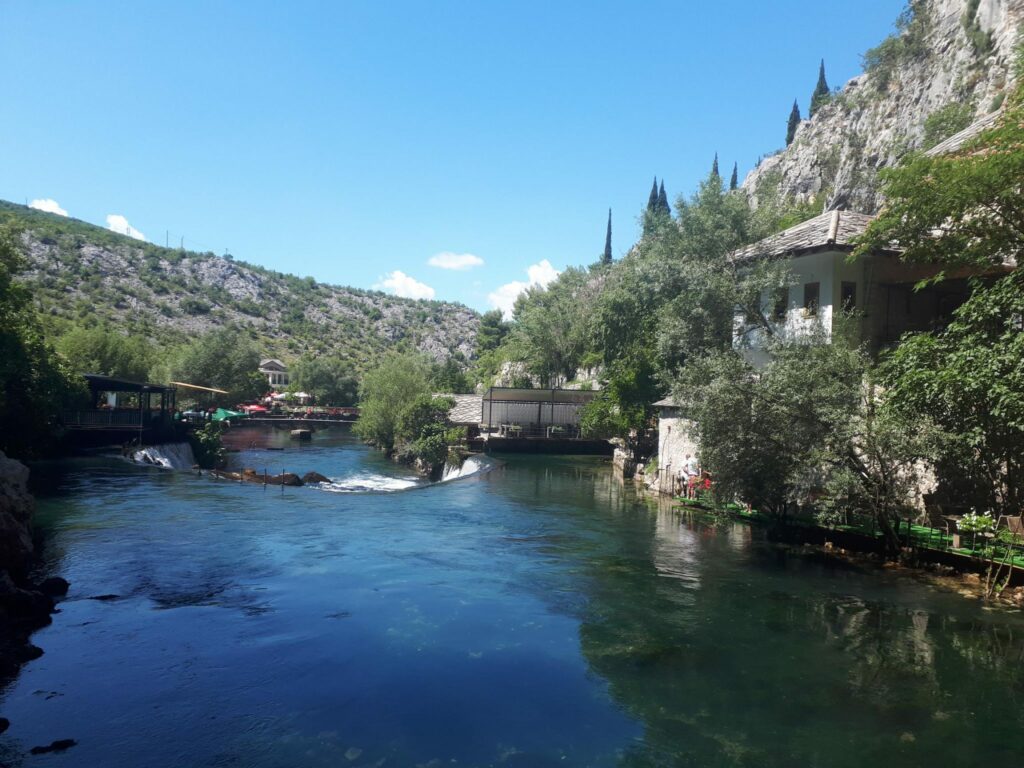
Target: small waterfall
(168,456)
(471,466)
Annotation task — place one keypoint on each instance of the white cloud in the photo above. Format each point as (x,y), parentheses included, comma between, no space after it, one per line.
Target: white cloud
(457,261)
(504,298)
(118,223)
(49,205)
(407,287)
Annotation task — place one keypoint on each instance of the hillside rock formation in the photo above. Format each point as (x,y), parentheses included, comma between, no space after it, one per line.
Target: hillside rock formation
(78,271)
(946,52)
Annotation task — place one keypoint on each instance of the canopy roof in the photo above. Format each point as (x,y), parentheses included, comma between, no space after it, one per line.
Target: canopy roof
(196,386)
(518,395)
(99,383)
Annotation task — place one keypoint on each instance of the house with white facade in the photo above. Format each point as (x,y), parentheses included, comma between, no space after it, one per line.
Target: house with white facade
(878,293)
(276,373)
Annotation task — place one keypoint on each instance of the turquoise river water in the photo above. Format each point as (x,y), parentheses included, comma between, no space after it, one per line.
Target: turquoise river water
(538,614)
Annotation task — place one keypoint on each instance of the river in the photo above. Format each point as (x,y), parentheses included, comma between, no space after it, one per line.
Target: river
(536,614)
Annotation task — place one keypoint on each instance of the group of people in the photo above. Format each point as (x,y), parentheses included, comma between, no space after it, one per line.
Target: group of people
(691,481)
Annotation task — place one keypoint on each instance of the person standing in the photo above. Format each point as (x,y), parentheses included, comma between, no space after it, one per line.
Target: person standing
(692,470)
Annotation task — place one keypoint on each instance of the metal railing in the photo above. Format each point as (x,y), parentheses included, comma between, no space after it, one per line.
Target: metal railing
(102,418)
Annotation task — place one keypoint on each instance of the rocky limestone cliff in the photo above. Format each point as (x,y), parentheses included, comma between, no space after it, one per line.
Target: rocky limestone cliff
(80,272)
(953,52)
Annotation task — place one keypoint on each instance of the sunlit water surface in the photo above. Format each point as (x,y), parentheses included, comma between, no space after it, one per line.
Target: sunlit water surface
(538,614)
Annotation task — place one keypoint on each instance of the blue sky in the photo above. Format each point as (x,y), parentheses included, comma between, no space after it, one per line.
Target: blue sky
(351,140)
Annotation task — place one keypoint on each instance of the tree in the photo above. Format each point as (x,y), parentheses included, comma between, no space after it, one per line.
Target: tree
(222,359)
(551,332)
(492,331)
(107,352)
(606,257)
(734,180)
(35,383)
(794,123)
(652,200)
(331,380)
(808,431)
(450,377)
(663,207)
(969,380)
(714,166)
(961,209)
(423,434)
(385,393)
(821,94)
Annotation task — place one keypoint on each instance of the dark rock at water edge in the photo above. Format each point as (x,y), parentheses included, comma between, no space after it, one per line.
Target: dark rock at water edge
(54,746)
(314,477)
(24,606)
(54,586)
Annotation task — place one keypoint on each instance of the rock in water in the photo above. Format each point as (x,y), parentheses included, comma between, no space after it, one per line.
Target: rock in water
(54,746)
(314,477)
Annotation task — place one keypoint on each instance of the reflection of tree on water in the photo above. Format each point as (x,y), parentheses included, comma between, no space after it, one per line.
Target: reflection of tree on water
(727,664)
(730,651)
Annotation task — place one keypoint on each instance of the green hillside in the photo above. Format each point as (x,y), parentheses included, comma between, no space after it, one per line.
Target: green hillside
(82,274)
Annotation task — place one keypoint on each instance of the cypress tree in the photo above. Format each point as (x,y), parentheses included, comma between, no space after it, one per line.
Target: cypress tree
(652,201)
(734,182)
(714,166)
(606,257)
(794,123)
(821,91)
(663,206)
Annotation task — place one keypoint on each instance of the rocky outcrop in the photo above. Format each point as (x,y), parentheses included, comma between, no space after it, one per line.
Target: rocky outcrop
(24,606)
(955,52)
(74,266)
(16,507)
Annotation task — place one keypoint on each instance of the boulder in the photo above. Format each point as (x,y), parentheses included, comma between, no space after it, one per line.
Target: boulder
(314,477)
(54,586)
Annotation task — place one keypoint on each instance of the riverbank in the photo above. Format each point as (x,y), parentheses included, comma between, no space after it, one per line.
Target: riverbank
(953,571)
(25,604)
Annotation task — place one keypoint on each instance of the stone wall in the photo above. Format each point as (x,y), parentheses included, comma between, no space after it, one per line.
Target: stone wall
(675,441)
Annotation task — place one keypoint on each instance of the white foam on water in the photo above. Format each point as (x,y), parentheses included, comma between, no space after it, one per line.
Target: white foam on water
(369,484)
(471,466)
(168,456)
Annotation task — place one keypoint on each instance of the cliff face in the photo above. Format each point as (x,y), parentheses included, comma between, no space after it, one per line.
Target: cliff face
(953,59)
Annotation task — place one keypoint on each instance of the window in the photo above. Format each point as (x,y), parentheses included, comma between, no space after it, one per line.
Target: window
(812,298)
(781,304)
(848,296)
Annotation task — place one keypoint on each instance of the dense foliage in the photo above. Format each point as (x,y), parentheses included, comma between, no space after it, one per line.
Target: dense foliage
(222,359)
(401,415)
(102,350)
(35,383)
(329,379)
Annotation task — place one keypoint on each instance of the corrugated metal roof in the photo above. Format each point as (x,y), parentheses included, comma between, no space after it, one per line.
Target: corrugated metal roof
(832,229)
